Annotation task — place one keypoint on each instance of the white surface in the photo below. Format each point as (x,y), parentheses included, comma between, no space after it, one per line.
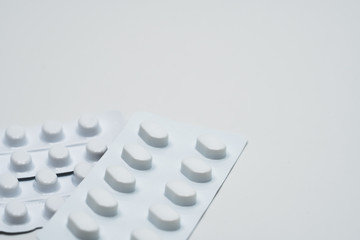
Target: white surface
(284,73)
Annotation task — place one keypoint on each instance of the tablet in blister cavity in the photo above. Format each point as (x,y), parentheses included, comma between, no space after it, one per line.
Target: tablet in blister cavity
(41,166)
(155,182)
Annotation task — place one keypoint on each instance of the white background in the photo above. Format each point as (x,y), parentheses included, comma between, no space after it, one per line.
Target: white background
(285,74)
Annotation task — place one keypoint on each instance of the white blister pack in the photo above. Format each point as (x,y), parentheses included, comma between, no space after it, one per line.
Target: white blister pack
(155,182)
(41,166)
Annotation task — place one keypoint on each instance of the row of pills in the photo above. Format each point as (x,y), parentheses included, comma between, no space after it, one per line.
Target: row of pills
(52,131)
(62,159)
(28,204)
(16,212)
(153,184)
(45,181)
(180,193)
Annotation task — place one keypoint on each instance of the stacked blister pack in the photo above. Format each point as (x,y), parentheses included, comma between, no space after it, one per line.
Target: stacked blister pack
(155,182)
(145,179)
(41,166)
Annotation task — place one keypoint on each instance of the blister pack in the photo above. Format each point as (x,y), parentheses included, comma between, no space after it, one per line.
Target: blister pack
(41,166)
(155,182)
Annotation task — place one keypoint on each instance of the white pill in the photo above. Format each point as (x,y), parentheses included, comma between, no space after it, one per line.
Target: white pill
(120,179)
(164,217)
(95,148)
(52,204)
(211,147)
(196,170)
(15,136)
(153,134)
(81,170)
(46,180)
(59,156)
(16,212)
(180,193)
(20,161)
(144,234)
(52,131)
(83,226)
(137,157)
(9,185)
(88,126)
(102,202)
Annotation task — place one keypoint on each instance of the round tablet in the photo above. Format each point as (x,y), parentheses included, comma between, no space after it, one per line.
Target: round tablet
(88,126)
(52,204)
(180,193)
(120,179)
(46,180)
(16,212)
(153,134)
(9,185)
(144,234)
(52,131)
(164,217)
(95,148)
(15,136)
(20,161)
(83,226)
(136,156)
(102,202)
(196,170)
(211,147)
(81,170)
(59,156)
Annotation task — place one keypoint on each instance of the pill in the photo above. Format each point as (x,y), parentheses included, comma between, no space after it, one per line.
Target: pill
(144,234)
(164,217)
(46,180)
(95,148)
(9,185)
(196,170)
(81,170)
(153,134)
(180,193)
(83,226)
(211,147)
(52,204)
(16,212)
(120,179)
(59,156)
(137,157)
(52,131)
(88,126)
(21,161)
(15,136)
(102,202)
